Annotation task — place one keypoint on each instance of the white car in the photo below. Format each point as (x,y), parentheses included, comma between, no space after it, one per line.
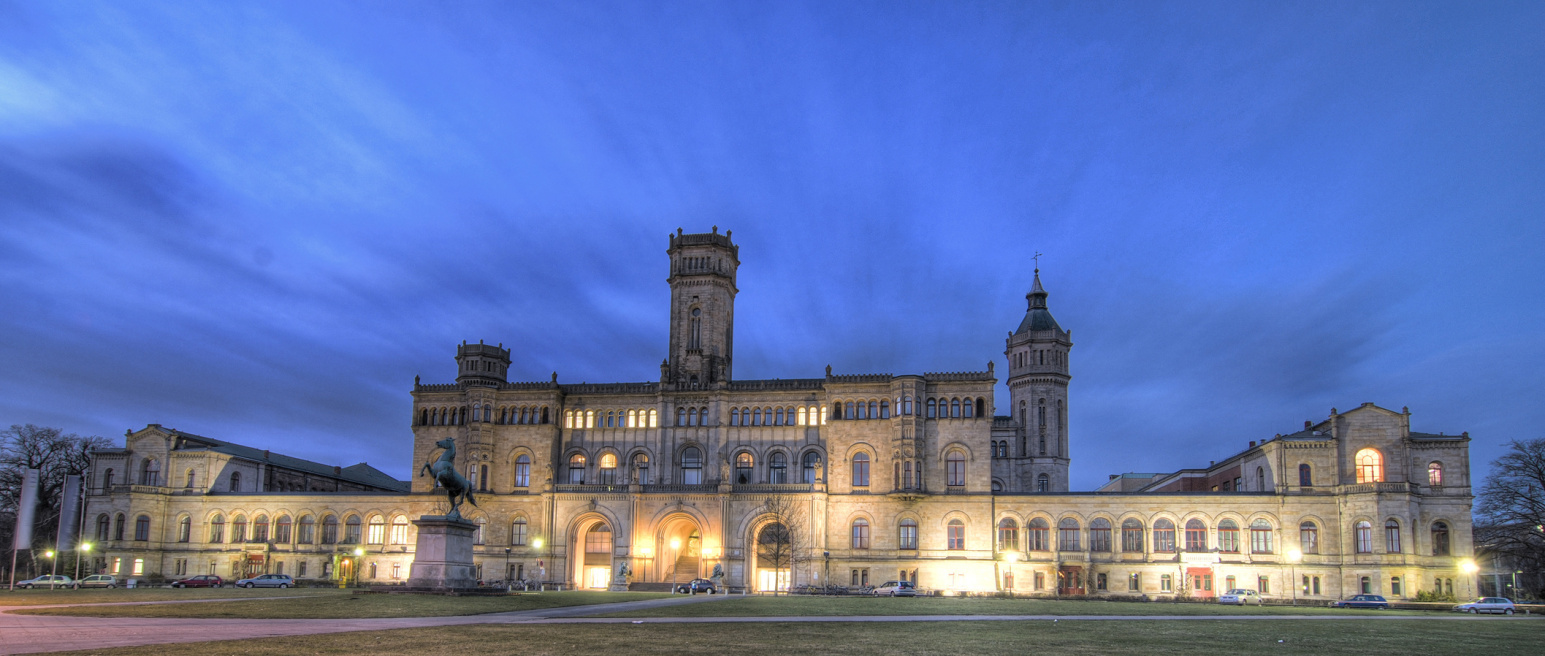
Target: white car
(896,589)
(267,581)
(46,581)
(1240,597)
(1487,605)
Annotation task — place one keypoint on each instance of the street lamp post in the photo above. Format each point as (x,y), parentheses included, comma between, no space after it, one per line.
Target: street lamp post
(1469,568)
(507,584)
(1294,556)
(1009,557)
(53,567)
(84,547)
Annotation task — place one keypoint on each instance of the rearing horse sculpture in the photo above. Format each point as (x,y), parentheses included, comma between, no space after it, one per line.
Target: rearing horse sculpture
(444,471)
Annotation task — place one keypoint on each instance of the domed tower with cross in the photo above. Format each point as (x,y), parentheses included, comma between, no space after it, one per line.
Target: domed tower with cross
(1038,395)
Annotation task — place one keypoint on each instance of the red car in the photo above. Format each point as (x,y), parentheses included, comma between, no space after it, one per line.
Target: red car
(200,581)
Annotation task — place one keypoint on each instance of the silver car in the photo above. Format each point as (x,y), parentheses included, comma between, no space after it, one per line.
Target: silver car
(46,581)
(267,581)
(1501,605)
(97,581)
(1240,597)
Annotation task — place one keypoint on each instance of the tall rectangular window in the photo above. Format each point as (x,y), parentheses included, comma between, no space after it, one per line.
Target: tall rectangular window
(1134,582)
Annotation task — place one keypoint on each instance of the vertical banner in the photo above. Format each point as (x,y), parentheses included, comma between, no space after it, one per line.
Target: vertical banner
(69,513)
(26,510)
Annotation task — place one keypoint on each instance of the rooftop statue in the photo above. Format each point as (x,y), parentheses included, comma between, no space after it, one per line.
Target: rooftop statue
(444,472)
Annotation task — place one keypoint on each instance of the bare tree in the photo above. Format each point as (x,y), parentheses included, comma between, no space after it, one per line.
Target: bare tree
(1510,515)
(784,542)
(55,454)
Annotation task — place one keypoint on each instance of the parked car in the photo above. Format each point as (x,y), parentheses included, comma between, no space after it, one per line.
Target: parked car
(1501,605)
(200,581)
(267,581)
(1240,597)
(697,585)
(896,589)
(1363,601)
(44,581)
(97,581)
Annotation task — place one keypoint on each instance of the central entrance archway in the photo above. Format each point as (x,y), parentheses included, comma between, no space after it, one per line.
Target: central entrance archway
(773,556)
(678,550)
(593,555)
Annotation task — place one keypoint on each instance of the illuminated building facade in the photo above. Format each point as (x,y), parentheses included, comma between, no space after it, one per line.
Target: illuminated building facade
(888,476)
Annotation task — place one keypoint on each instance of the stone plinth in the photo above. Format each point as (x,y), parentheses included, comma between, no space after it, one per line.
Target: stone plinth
(442,560)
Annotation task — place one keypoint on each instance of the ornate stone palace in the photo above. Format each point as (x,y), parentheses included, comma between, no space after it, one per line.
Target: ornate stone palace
(876,476)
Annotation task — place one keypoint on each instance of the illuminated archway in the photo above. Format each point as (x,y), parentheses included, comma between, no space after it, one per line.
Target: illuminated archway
(678,550)
(591,553)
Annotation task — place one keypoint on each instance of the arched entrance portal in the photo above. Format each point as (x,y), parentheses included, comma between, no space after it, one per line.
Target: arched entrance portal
(678,550)
(593,550)
(774,558)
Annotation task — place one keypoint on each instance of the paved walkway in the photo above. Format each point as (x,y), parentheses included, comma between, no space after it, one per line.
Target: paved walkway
(21,634)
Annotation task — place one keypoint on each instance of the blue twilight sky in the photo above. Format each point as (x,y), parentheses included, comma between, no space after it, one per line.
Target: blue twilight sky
(258,221)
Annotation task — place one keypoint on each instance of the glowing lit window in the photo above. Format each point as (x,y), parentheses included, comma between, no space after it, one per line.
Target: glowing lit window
(802,416)
(1435,474)
(1370,466)
(577,469)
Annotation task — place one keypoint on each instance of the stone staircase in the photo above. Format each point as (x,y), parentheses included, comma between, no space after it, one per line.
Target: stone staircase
(685,569)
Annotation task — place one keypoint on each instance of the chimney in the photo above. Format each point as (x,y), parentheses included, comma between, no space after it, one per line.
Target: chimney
(1252,444)
(337,470)
(265,454)
(1308,424)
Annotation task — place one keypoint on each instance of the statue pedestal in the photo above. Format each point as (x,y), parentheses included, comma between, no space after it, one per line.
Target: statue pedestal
(442,560)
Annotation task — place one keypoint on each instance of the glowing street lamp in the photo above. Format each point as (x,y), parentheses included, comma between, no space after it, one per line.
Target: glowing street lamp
(1294,556)
(1469,568)
(1011,557)
(86,547)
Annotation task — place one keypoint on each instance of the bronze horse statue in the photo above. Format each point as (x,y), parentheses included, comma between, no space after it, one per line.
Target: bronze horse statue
(444,471)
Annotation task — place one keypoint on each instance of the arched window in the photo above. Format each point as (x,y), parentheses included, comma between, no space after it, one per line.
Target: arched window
(743,465)
(482,478)
(1392,536)
(260,529)
(307,530)
(142,528)
(185,529)
(377,530)
(1038,535)
(874,410)
(1008,534)
(1196,536)
(1365,584)
(804,417)
(1067,535)
(1228,536)
(1164,536)
(885,409)
(692,416)
(861,470)
(808,464)
(150,472)
(1308,538)
(608,468)
(577,469)
(1260,479)
(906,405)
(522,470)
(955,408)
(330,529)
(1305,476)
(216,529)
(518,532)
(777,468)
(1363,537)
(981,407)
(860,533)
(351,529)
(955,533)
(907,534)
(692,466)
(235,481)
(1370,466)
(282,529)
(641,468)
(482,531)
(1435,474)
(1260,537)
(107,479)
(1099,535)
(955,468)
(734,416)
(105,527)
(1439,539)
(1132,536)
(681,416)
(966,408)
(930,414)
(189,478)
(1043,483)
(847,411)
(778,420)
(118,527)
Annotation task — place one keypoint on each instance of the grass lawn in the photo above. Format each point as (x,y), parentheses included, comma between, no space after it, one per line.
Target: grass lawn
(1490,637)
(846,606)
(103,596)
(345,605)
